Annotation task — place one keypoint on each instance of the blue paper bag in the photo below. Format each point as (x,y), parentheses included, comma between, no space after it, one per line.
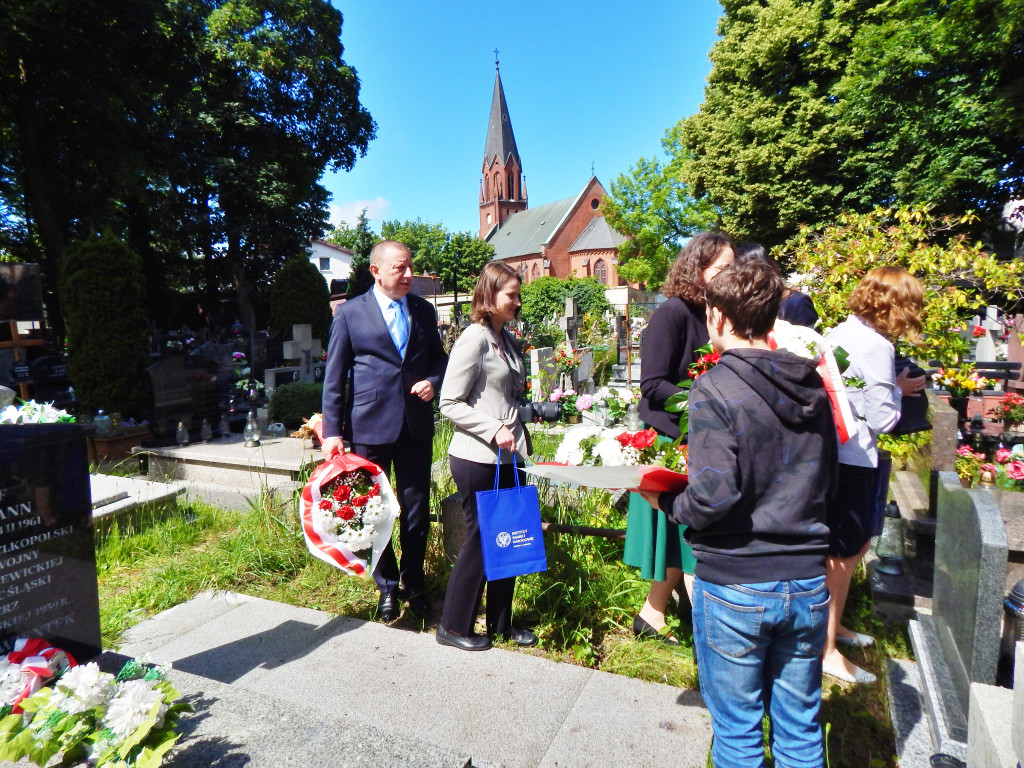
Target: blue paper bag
(510,530)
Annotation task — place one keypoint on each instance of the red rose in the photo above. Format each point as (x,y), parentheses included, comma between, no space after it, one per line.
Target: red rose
(1015,470)
(1003,455)
(346,512)
(624,439)
(644,439)
(325,504)
(360,501)
(342,492)
(375,491)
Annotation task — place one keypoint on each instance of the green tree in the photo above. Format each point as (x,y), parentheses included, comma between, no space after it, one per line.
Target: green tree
(545,297)
(655,209)
(938,90)
(816,107)
(767,143)
(104,304)
(299,296)
(958,274)
(359,278)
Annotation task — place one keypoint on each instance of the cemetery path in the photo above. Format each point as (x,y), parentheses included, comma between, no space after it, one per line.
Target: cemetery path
(275,685)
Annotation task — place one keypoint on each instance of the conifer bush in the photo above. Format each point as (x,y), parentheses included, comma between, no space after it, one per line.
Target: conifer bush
(102,291)
(291,403)
(300,296)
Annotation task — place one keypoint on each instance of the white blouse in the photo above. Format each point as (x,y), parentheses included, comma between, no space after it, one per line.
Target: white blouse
(876,405)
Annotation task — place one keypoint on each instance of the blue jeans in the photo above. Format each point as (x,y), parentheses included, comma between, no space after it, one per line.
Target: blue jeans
(759,646)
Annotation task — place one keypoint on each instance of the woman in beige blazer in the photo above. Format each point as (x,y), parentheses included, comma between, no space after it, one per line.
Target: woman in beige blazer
(483,387)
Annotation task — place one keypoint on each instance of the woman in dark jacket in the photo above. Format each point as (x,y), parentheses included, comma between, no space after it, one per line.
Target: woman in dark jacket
(676,329)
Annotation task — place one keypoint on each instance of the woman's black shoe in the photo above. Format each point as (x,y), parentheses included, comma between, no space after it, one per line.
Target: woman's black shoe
(645,631)
(524,638)
(465,642)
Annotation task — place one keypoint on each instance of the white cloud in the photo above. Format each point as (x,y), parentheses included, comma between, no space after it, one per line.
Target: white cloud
(348,212)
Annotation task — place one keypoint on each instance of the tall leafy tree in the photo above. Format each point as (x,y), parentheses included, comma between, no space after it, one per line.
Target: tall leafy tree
(654,207)
(767,142)
(937,89)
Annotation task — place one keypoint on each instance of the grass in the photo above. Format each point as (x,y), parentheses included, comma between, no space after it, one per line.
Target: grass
(581,607)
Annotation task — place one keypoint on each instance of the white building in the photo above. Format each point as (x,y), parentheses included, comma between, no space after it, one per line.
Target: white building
(333,261)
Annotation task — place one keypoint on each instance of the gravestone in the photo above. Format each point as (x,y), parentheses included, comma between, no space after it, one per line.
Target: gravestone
(959,642)
(582,374)
(275,377)
(571,322)
(47,560)
(303,348)
(543,372)
(50,381)
(985,351)
(184,389)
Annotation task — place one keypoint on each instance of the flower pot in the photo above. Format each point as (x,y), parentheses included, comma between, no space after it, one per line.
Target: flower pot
(572,418)
(114,447)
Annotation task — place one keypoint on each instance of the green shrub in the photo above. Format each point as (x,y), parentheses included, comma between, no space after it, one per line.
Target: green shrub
(300,296)
(291,403)
(102,290)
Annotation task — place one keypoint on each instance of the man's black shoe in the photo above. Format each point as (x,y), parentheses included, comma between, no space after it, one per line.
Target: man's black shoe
(465,642)
(388,607)
(524,638)
(420,605)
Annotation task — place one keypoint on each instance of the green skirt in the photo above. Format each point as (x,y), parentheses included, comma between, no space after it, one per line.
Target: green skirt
(653,542)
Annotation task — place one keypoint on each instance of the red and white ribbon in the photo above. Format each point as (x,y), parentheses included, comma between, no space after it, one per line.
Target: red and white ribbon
(319,542)
(36,661)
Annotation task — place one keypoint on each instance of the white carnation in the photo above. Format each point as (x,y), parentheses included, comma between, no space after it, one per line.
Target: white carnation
(83,688)
(131,706)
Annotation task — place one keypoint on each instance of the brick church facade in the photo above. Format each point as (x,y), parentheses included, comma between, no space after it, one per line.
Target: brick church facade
(564,238)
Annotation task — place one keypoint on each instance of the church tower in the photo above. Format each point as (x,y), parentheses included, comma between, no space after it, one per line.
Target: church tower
(502,185)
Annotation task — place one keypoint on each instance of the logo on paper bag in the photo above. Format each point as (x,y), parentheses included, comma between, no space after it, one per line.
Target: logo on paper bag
(503,539)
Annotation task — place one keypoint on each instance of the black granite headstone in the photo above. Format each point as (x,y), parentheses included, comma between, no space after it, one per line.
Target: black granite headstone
(50,381)
(47,559)
(184,389)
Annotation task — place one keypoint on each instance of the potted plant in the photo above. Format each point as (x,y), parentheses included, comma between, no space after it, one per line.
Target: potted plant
(1010,410)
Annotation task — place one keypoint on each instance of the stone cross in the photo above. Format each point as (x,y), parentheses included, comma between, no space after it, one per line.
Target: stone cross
(571,322)
(303,348)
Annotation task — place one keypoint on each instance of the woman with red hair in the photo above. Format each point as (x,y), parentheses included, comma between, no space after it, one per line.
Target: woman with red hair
(885,306)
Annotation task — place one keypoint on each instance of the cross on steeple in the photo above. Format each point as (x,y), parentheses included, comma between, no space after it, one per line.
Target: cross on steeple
(496,58)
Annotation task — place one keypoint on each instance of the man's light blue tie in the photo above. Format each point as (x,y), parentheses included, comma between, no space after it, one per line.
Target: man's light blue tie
(399,327)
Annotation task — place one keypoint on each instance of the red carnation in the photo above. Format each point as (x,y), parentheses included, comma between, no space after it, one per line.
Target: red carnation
(644,439)
(342,492)
(325,504)
(346,512)
(375,491)
(360,501)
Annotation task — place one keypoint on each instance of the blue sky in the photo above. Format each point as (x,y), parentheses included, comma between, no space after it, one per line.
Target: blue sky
(585,82)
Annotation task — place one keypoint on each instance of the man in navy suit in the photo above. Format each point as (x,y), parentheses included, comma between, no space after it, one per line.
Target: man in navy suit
(385,363)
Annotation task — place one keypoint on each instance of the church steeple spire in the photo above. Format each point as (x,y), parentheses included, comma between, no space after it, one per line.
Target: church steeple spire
(503,191)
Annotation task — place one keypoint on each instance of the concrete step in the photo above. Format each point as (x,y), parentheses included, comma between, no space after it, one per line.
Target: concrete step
(225,473)
(408,697)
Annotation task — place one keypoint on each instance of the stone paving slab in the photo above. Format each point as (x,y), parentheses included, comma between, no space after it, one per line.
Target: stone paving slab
(115,495)
(501,707)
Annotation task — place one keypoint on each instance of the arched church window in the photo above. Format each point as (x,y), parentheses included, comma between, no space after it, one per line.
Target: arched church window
(601,271)
(511,188)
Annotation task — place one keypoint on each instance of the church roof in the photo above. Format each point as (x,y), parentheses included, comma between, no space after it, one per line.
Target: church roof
(526,231)
(501,142)
(598,235)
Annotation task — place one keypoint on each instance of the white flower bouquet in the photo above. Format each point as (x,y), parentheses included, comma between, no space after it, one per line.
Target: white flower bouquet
(32,412)
(94,717)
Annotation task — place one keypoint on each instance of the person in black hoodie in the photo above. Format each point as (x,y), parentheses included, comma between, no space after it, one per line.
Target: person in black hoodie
(762,460)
